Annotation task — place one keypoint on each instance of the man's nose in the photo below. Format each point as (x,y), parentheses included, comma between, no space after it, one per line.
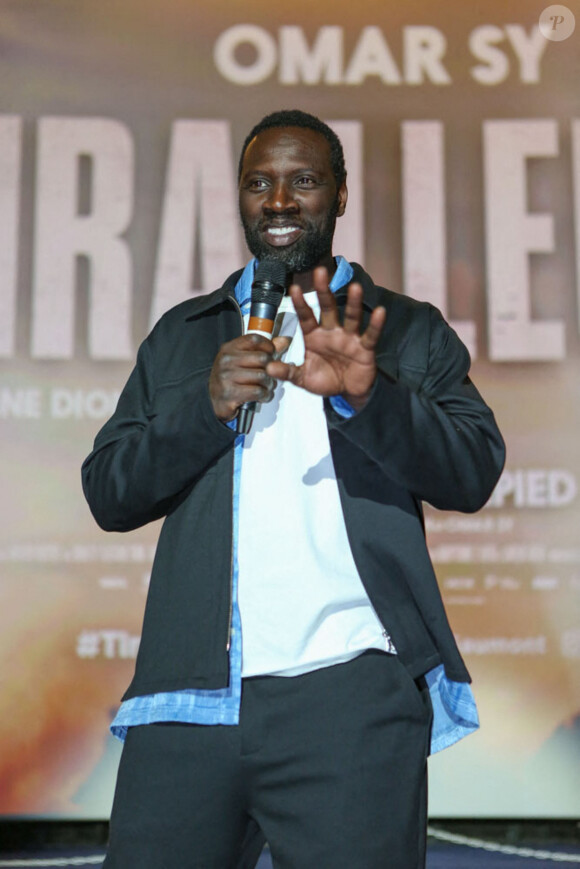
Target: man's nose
(281,198)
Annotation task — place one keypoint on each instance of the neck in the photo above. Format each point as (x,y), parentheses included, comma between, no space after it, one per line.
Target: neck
(305,280)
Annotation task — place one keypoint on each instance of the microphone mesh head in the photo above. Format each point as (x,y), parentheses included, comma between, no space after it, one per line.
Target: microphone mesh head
(269,282)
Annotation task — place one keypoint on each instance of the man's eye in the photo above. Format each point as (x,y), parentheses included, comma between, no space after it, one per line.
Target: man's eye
(256,184)
(305,181)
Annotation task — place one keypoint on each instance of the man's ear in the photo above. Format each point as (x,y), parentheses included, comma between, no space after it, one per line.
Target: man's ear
(342,197)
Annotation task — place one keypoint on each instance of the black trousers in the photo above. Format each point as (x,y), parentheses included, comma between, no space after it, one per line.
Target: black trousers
(328,767)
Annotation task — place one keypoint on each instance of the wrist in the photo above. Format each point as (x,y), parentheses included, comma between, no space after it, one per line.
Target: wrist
(357,402)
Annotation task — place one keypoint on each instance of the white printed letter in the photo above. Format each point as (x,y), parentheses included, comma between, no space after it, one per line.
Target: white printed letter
(348,238)
(424,237)
(64,231)
(200,193)
(576,177)
(372,57)
(512,233)
(529,50)
(10,163)
(481,46)
(300,65)
(264,46)
(424,48)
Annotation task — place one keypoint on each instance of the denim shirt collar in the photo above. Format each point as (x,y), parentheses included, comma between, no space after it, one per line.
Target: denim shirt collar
(243,289)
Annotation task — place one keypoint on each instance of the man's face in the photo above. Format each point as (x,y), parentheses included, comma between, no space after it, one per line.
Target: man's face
(289,199)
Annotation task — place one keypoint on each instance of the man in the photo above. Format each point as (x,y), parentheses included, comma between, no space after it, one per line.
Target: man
(294,626)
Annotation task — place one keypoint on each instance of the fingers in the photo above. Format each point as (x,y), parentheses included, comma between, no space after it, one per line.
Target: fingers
(281,344)
(371,335)
(328,310)
(285,371)
(329,318)
(250,342)
(239,374)
(306,318)
(353,318)
(353,309)
(247,351)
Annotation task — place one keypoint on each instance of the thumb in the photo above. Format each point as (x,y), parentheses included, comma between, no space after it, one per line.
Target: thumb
(281,344)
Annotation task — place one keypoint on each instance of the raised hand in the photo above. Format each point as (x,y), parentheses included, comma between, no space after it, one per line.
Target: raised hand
(338,360)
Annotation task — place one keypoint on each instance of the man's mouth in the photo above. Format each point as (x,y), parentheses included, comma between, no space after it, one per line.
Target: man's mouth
(280,236)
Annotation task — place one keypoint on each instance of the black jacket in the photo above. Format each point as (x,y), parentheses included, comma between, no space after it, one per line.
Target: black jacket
(425,434)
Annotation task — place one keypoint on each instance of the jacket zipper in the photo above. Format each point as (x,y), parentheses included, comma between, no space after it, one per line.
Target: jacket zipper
(231,591)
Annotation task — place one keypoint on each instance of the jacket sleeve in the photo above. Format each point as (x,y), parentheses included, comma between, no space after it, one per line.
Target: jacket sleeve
(156,445)
(436,437)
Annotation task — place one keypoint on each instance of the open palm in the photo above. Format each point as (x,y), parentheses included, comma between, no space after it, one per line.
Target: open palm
(338,359)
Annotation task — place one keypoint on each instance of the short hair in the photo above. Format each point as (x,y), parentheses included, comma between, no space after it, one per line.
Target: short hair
(298,118)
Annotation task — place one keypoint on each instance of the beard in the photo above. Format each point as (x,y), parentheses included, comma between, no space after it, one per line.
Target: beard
(305,253)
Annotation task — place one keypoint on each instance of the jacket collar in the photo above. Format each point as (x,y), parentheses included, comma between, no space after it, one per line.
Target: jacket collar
(212,300)
(226,293)
(371,293)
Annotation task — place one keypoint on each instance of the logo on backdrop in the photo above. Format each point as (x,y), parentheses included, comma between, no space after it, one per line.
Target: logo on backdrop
(557,23)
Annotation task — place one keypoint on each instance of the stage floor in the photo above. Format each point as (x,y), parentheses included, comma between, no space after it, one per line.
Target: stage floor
(440,855)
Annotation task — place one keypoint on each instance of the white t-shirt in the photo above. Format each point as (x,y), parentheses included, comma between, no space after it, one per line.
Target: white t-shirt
(302,602)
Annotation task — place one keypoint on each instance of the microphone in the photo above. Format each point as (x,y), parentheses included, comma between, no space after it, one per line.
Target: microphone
(267,290)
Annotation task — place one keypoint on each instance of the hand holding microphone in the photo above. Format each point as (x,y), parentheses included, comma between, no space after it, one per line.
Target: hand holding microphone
(267,292)
(238,380)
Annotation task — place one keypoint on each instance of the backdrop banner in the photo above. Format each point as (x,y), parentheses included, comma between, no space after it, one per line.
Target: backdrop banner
(120,127)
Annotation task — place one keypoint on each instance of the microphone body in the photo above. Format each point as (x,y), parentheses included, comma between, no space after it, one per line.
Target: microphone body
(267,291)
